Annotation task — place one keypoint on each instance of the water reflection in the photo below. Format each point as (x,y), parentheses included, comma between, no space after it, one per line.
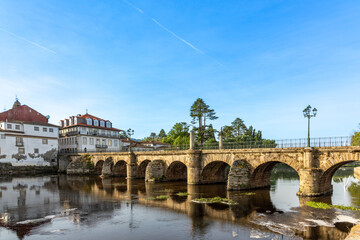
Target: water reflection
(92,201)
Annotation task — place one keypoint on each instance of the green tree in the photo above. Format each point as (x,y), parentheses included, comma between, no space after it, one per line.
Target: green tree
(123,135)
(162,134)
(227,133)
(179,134)
(210,133)
(200,112)
(355,138)
(239,127)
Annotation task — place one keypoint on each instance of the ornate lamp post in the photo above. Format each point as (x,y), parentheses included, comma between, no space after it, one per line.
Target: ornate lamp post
(130,132)
(309,112)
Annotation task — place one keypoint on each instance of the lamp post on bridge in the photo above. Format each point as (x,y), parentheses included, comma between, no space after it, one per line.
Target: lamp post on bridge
(130,132)
(309,112)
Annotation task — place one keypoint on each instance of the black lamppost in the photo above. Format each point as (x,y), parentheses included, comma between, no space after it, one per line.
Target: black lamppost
(130,132)
(309,112)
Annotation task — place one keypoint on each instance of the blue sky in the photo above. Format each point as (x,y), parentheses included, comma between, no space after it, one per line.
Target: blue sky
(142,63)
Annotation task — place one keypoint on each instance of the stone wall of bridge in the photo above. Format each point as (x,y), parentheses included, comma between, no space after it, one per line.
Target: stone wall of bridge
(240,168)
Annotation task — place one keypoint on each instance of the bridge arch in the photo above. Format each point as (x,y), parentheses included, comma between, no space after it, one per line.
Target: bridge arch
(327,175)
(260,176)
(99,167)
(215,172)
(140,173)
(120,169)
(176,171)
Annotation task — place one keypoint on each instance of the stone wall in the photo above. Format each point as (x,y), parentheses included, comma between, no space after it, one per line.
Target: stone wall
(155,171)
(354,233)
(6,169)
(357,172)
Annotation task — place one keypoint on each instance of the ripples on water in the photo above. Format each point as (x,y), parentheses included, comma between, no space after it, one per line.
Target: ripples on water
(76,207)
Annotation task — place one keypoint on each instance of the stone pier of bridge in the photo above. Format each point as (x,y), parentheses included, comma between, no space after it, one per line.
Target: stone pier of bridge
(241,169)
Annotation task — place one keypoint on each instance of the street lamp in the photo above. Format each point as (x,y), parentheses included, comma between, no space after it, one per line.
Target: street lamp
(130,132)
(309,112)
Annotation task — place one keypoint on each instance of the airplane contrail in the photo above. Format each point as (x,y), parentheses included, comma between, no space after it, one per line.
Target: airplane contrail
(31,42)
(172,33)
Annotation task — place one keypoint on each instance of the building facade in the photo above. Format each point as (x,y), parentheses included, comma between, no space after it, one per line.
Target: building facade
(27,138)
(87,133)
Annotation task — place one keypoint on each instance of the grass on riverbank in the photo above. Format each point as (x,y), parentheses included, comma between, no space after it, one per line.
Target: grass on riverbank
(248,193)
(215,200)
(160,197)
(322,205)
(183,194)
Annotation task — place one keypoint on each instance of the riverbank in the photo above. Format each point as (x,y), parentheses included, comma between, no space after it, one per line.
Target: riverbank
(6,169)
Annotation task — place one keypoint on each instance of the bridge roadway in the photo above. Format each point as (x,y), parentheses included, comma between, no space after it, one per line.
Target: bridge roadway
(241,168)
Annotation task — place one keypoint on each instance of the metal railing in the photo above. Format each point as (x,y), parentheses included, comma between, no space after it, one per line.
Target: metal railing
(101,146)
(283,143)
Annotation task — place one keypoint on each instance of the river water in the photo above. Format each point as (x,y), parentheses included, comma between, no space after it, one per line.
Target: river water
(80,207)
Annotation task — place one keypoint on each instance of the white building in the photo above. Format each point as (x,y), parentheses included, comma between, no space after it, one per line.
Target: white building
(87,133)
(26,137)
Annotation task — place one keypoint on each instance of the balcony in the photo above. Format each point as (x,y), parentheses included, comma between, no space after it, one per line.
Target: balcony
(101,146)
(19,144)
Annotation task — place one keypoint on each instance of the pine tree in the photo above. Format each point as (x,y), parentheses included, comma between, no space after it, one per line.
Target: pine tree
(200,112)
(162,134)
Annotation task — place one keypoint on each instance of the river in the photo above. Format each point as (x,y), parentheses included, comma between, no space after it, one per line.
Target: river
(82,207)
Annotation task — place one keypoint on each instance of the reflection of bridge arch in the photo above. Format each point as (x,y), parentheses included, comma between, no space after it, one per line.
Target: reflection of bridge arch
(176,171)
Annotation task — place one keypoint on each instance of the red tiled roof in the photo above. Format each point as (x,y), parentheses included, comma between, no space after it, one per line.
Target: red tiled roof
(23,113)
(92,117)
(92,126)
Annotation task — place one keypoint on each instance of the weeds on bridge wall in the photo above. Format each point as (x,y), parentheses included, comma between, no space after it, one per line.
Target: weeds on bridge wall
(87,160)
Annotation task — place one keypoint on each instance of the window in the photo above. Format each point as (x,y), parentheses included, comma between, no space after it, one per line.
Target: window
(2,136)
(36,150)
(89,121)
(110,142)
(115,143)
(44,129)
(85,140)
(108,124)
(44,141)
(91,141)
(21,150)
(17,127)
(96,122)
(8,126)
(19,141)
(36,128)
(51,130)
(102,123)
(97,141)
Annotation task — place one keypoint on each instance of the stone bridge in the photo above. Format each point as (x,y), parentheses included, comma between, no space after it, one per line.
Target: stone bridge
(241,168)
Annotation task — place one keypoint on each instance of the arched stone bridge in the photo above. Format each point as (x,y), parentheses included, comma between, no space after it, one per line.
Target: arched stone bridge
(240,168)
